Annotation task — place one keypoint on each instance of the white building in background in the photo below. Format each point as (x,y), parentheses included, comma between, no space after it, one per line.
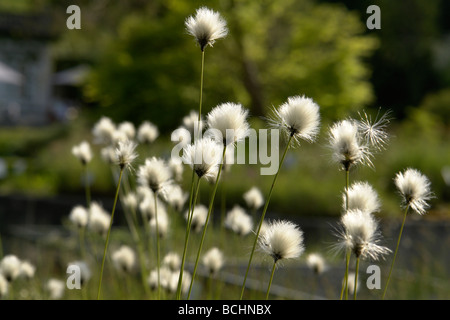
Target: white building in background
(30,92)
(25,69)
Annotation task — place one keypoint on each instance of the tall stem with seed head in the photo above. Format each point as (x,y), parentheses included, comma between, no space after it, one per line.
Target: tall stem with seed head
(263,214)
(396,250)
(211,203)
(271,278)
(109,231)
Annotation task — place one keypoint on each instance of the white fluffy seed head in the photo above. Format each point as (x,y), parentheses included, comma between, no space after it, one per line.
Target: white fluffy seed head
(155,174)
(191,123)
(55,288)
(204,157)
(362,196)
(227,123)
(27,270)
(124,259)
(347,146)
(206,26)
(172,260)
(375,131)
(10,267)
(79,216)
(130,201)
(414,188)
(147,203)
(83,152)
(239,221)
(99,219)
(128,129)
(103,131)
(298,117)
(175,197)
(177,168)
(147,132)
(163,222)
(281,240)
(198,217)
(108,154)
(360,234)
(254,198)
(213,260)
(125,154)
(316,262)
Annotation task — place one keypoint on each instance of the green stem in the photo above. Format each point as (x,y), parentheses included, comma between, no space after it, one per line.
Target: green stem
(87,187)
(158,259)
(345,282)
(81,232)
(396,250)
(263,214)
(271,278)
(211,202)
(347,182)
(132,223)
(109,231)
(188,230)
(201,92)
(356,278)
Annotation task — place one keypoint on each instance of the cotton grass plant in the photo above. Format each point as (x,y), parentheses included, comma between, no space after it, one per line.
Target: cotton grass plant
(156,175)
(125,155)
(153,193)
(206,27)
(415,191)
(227,124)
(281,240)
(299,119)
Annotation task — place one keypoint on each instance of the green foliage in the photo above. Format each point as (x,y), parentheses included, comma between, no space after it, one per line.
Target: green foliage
(274,50)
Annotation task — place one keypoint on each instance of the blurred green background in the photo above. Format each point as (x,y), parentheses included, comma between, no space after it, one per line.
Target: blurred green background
(144,66)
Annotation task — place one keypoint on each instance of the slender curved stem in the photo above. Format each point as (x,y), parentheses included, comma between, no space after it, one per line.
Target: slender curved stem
(87,186)
(356,278)
(345,282)
(211,202)
(262,216)
(81,232)
(109,231)
(201,91)
(271,278)
(192,203)
(158,259)
(396,250)
(347,261)
(347,182)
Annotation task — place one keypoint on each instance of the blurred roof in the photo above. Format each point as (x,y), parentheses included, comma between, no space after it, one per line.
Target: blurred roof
(9,75)
(72,76)
(26,26)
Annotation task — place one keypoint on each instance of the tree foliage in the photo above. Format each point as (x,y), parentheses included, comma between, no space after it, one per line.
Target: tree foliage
(275,49)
